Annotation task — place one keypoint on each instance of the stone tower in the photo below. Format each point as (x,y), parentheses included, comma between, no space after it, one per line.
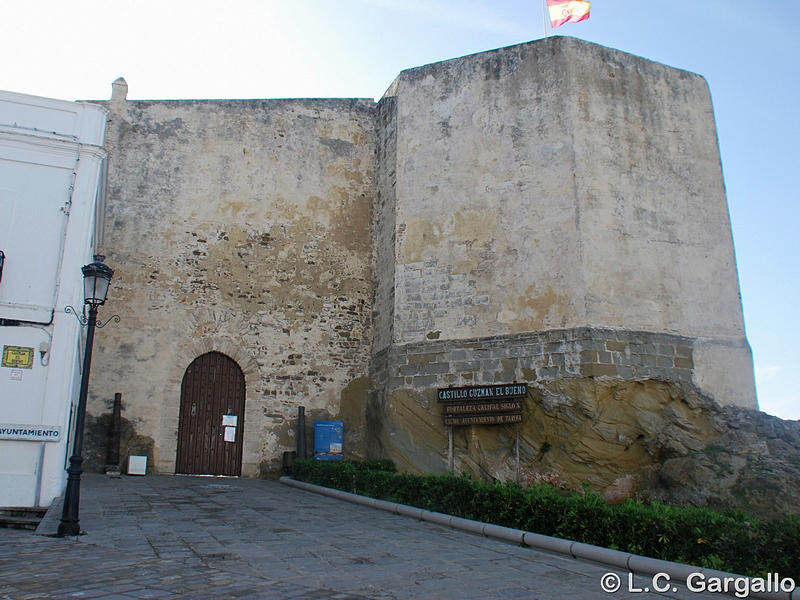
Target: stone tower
(550,211)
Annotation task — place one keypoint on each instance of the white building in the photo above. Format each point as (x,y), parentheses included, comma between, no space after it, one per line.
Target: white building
(51,206)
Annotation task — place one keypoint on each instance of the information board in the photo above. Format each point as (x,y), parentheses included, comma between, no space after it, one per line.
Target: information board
(497,404)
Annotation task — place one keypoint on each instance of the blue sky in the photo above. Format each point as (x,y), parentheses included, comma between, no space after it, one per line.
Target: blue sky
(747,51)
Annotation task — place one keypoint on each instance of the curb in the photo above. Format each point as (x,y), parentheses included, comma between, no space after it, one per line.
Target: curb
(633,563)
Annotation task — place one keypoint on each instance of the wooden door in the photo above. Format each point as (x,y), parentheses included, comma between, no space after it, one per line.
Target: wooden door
(211,424)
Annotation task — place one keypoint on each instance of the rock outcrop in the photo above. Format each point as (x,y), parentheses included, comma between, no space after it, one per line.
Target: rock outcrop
(650,439)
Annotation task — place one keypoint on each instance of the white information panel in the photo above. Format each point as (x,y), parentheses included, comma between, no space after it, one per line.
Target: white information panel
(30,433)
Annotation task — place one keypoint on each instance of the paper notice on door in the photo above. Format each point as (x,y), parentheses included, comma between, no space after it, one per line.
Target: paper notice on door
(230,434)
(230,420)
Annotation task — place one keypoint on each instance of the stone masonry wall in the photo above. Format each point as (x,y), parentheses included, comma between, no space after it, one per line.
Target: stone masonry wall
(555,354)
(241,227)
(404,417)
(384,222)
(551,212)
(487,237)
(559,184)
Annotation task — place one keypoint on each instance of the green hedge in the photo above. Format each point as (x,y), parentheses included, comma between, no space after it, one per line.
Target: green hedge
(726,540)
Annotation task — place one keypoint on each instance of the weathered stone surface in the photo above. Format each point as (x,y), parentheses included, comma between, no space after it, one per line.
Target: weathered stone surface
(240,227)
(552,212)
(556,185)
(352,411)
(542,355)
(96,442)
(650,439)
(754,464)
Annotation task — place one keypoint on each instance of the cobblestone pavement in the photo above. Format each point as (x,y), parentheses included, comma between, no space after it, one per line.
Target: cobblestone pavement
(200,537)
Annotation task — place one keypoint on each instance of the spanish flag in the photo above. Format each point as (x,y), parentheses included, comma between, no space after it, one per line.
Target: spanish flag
(568,11)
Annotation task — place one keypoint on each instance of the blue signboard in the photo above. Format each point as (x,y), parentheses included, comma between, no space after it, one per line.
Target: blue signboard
(328,440)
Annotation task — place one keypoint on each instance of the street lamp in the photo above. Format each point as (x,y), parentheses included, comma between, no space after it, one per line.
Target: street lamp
(96,277)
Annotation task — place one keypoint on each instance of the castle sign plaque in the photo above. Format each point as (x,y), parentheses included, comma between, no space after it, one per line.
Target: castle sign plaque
(503,419)
(482,408)
(483,404)
(483,392)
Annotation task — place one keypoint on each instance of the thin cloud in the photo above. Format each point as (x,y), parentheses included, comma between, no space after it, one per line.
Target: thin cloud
(467,15)
(767,372)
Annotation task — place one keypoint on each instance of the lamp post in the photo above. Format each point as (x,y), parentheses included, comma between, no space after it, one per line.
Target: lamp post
(96,277)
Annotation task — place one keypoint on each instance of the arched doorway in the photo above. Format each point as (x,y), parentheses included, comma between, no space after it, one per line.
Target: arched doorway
(211,422)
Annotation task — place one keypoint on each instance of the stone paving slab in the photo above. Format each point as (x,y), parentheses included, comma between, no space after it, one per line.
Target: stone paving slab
(198,537)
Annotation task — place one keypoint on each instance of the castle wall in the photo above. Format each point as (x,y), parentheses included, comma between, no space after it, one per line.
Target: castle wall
(384,226)
(487,236)
(241,227)
(409,427)
(552,212)
(650,194)
(558,185)
(656,243)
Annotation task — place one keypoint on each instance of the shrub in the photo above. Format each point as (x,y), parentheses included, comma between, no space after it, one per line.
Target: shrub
(380,464)
(726,540)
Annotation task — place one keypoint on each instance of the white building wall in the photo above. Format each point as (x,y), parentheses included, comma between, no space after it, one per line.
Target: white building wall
(51,158)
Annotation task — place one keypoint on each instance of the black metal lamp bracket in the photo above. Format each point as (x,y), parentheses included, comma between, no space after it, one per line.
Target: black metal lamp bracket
(83,319)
